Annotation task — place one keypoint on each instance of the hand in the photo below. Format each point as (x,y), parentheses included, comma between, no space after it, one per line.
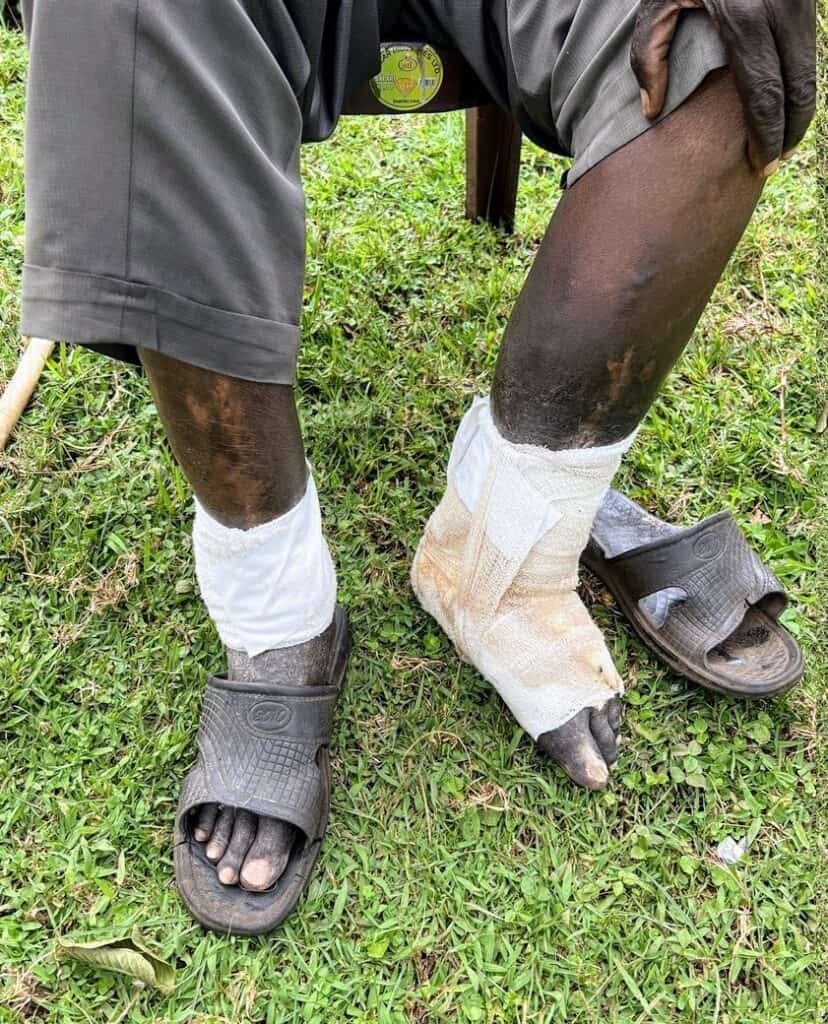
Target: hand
(771,51)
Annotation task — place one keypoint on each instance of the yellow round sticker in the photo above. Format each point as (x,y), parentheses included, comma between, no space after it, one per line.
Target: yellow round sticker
(409,77)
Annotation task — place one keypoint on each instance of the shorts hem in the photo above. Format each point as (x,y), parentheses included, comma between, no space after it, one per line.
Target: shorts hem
(691,61)
(116,315)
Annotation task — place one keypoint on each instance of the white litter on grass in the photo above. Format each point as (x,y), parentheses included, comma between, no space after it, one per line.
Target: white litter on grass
(729,851)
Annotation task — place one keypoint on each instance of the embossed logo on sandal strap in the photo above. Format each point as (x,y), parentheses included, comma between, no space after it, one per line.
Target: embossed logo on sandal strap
(269,716)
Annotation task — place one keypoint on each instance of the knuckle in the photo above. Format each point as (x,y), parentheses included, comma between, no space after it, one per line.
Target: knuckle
(744,15)
(767,102)
(801,93)
(644,19)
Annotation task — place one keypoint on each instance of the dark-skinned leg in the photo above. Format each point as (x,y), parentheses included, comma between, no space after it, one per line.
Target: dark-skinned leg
(238,442)
(240,446)
(627,265)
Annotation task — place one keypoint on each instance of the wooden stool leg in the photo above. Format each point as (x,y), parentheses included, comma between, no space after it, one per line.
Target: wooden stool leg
(492,165)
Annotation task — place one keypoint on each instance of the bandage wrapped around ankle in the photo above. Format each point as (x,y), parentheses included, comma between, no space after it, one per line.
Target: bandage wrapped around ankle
(268,587)
(498,564)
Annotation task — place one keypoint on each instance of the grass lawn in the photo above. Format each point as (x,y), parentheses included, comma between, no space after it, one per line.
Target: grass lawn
(463,878)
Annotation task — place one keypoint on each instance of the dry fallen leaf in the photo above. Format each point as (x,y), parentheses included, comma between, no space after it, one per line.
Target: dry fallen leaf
(128,955)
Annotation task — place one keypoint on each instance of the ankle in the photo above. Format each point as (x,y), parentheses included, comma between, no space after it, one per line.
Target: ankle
(270,587)
(305,664)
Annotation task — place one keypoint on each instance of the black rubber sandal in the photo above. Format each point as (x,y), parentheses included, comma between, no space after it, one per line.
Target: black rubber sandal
(262,747)
(698,597)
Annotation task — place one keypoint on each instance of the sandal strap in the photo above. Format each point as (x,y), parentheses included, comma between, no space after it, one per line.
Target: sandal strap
(717,569)
(258,746)
(296,712)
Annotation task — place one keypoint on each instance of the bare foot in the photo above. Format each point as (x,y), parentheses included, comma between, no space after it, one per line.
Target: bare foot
(586,746)
(246,849)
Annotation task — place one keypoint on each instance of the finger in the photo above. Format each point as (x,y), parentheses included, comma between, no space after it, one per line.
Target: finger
(574,748)
(650,50)
(604,736)
(795,36)
(205,822)
(268,856)
(758,77)
(221,834)
(797,118)
(244,832)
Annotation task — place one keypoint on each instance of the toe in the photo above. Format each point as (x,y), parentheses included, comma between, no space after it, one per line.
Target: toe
(205,821)
(268,856)
(221,834)
(573,746)
(604,735)
(614,709)
(244,832)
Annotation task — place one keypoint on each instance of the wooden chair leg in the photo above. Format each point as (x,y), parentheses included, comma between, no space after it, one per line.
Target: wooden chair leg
(492,165)
(10,15)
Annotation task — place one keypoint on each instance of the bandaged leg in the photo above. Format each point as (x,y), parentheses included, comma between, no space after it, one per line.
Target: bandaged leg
(239,444)
(497,567)
(271,592)
(270,587)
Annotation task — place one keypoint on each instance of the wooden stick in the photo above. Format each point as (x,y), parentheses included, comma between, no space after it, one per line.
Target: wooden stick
(20,388)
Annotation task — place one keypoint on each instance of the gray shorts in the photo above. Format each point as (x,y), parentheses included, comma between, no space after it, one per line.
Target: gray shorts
(164,206)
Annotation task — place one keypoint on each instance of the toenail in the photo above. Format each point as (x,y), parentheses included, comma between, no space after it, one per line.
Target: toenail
(256,872)
(201,834)
(214,852)
(227,876)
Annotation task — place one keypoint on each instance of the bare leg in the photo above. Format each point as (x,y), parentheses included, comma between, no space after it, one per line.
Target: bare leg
(240,446)
(238,442)
(628,263)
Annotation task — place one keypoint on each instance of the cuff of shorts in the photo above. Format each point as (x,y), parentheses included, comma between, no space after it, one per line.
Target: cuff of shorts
(111,313)
(693,56)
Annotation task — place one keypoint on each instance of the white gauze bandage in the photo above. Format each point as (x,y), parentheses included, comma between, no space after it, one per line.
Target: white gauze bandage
(497,567)
(271,586)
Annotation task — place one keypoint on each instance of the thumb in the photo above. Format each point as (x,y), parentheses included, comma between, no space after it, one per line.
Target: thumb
(653,34)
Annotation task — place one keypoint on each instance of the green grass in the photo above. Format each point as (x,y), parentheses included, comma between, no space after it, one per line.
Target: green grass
(462,879)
